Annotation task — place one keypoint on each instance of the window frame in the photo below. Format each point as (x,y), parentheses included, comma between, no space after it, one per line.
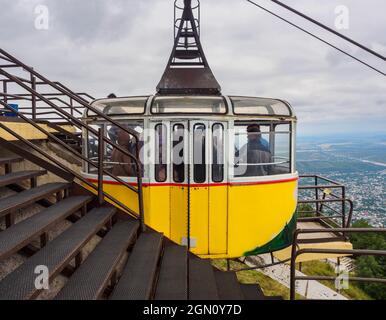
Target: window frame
(161,152)
(146,98)
(183,154)
(221,125)
(204,154)
(232,98)
(104,124)
(168,114)
(272,124)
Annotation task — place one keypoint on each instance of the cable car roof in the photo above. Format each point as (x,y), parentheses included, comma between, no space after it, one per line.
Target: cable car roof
(192,105)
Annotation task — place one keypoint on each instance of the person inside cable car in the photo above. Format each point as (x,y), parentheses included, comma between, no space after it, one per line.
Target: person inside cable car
(256,139)
(254,153)
(122,164)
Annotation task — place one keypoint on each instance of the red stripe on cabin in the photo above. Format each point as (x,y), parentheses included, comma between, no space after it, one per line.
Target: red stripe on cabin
(202,185)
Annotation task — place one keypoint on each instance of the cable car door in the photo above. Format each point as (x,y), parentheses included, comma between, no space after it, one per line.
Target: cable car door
(208,188)
(199,188)
(179,187)
(218,190)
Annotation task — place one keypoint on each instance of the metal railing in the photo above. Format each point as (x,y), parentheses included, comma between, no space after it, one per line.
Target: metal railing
(329,200)
(68,114)
(296,252)
(38,112)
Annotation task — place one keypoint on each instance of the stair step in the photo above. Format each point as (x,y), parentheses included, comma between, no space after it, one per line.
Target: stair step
(19,235)
(8,160)
(91,279)
(20,176)
(28,197)
(252,292)
(202,282)
(138,278)
(172,282)
(228,286)
(56,255)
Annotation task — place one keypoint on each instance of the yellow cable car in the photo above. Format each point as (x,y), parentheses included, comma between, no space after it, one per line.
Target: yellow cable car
(218,171)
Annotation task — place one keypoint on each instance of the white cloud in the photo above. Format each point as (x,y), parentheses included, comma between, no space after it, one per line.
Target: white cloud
(122,46)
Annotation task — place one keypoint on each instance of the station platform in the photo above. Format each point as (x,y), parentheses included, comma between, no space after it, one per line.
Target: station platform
(285,254)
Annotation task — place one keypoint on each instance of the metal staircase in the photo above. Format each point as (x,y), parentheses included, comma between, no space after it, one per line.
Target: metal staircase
(155,268)
(130,261)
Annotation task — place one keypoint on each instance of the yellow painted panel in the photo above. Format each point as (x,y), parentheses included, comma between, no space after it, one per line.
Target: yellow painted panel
(178,213)
(257,214)
(68,128)
(25,130)
(218,219)
(158,216)
(199,220)
(126,197)
(28,131)
(286,253)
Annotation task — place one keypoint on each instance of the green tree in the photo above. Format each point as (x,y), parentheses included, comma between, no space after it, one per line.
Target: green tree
(370,266)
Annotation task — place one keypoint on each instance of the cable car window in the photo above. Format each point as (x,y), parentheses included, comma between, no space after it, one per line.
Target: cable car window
(190,105)
(199,154)
(218,153)
(160,153)
(120,106)
(178,154)
(260,106)
(282,150)
(115,161)
(262,149)
(92,148)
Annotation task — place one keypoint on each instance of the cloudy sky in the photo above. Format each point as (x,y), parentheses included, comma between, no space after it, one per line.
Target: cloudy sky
(121,46)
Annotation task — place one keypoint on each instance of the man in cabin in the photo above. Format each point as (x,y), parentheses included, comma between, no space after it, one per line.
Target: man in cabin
(253,153)
(254,136)
(123,164)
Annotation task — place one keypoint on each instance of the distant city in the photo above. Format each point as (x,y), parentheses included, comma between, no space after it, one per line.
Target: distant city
(357,162)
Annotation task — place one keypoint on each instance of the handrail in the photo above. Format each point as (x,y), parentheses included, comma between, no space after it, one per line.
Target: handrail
(74,173)
(345,223)
(101,170)
(81,124)
(295,253)
(67,91)
(319,177)
(66,146)
(328,197)
(50,97)
(48,94)
(68,117)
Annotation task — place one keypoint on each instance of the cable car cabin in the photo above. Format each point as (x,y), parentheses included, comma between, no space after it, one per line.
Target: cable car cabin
(218,172)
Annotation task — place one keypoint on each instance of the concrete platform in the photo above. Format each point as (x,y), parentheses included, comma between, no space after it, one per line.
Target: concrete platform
(286,253)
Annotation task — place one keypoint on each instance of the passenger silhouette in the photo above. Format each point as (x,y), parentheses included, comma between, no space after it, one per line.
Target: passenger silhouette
(123,165)
(253,153)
